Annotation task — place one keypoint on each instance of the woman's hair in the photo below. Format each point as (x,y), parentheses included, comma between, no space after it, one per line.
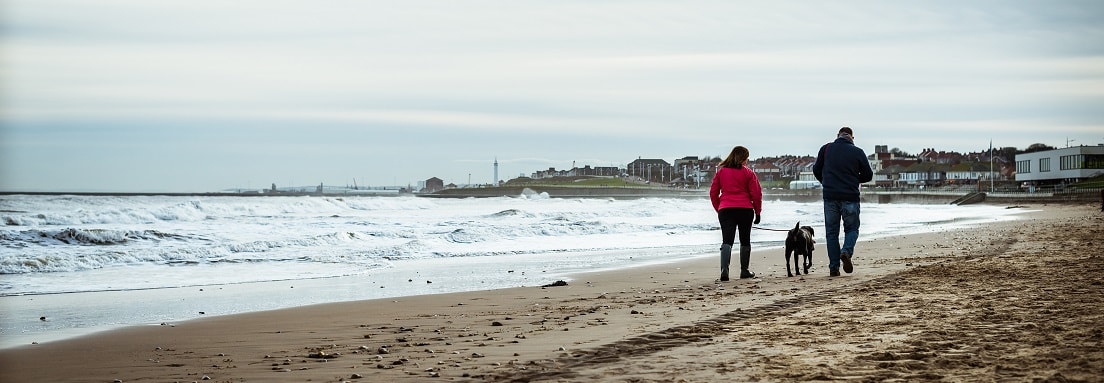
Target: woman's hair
(736,158)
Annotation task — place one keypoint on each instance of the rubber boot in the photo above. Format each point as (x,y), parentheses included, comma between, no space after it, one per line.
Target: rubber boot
(726,258)
(745,259)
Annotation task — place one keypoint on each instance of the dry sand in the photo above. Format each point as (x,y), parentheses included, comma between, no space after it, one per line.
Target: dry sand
(1011,301)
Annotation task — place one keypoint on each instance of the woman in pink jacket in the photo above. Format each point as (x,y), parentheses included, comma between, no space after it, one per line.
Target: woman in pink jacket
(738,200)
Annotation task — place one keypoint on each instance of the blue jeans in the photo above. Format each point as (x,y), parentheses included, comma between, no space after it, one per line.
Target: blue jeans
(834,212)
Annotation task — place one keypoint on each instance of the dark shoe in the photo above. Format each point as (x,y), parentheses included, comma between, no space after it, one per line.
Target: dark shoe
(726,258)
(847,266)
(745,261)
(833,273)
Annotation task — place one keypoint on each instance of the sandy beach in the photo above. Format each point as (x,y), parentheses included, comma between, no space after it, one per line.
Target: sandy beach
(1019,300)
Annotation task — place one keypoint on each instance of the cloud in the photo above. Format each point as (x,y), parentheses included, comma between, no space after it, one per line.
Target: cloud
(537,84)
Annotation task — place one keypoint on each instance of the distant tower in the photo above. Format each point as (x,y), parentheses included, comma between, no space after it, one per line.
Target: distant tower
(496,172)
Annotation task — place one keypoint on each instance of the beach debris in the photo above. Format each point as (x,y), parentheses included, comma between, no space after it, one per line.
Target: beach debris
(356,376)
(496,323)
(322,355)
(383,350)
(556,284)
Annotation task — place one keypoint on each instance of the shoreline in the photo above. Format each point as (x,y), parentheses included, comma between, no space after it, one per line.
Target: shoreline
(150,306)
(651,322)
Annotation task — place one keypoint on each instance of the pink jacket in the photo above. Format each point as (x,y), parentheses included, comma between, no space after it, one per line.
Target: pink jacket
(736,187)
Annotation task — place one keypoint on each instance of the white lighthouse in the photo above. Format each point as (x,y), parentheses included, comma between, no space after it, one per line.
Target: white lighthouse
(496,171)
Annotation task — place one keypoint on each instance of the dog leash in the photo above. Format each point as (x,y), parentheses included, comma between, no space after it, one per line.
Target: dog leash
(763,228)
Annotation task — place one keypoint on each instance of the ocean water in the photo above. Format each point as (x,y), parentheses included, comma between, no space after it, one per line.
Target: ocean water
(88,263)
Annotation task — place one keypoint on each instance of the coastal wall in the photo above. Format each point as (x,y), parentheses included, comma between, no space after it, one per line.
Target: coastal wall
(641,192)
(569,192)
(874,197)
(880,197)
(868,197)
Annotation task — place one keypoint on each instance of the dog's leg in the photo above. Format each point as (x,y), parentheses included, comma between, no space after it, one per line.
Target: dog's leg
(797,266)
(788,273)
(808,261)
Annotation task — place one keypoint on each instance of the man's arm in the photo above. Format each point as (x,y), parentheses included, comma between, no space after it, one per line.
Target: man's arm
(865,172)
(818,166)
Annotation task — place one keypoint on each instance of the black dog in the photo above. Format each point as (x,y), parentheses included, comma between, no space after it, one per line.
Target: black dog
(799,242)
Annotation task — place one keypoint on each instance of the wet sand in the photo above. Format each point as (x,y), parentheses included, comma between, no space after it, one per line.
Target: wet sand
(1011,301)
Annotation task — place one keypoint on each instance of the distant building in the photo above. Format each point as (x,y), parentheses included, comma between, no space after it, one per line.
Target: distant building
(924,174)
(889,176)
(1063,165)
(551,172)
(792,166)
(433,184)
(597,171)
(939,157)
(766,171)
(692,171)
(651,170)
(969,172)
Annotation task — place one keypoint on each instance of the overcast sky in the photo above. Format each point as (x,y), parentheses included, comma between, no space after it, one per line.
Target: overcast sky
(198,95)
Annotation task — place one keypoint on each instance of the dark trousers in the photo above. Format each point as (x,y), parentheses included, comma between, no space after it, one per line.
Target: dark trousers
(733,219)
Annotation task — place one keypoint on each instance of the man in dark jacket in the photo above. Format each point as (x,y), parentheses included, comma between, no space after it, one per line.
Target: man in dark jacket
(840,167)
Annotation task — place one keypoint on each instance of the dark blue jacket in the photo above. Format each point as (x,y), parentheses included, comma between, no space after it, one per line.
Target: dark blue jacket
(840,167)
